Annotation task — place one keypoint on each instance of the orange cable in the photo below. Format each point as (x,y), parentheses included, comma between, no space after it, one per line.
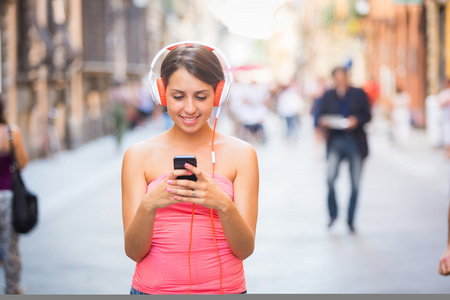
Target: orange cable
(212,222)
(212,218)
(212,143)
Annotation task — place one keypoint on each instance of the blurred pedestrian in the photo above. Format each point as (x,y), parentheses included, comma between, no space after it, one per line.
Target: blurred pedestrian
(145,104)
(401,116)
(235,104)
(52,144)
(317,94)
(119,111)
(164,217)
(130,92)
(253,111)
(288,107)
(168,122)
(444,100)
(444,263)
(9,239)
(343,112)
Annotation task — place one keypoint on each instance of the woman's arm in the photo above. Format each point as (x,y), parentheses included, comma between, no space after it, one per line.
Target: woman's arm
(239,219)
(138,219)
(139,207)
(19,147)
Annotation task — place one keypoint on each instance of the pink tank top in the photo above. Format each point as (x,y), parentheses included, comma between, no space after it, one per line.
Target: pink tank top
(165,269)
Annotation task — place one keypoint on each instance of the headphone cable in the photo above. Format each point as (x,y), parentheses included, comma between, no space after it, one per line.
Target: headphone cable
(211,210)
(213,154)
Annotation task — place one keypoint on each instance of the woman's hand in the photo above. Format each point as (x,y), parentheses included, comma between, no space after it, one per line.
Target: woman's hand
(159,197)
(444,263)
(204,191)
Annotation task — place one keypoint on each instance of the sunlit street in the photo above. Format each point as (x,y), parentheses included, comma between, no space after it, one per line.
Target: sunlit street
(346,104)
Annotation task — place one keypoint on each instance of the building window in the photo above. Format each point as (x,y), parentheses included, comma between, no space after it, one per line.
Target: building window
(97,31)
(59,11)
(136,35)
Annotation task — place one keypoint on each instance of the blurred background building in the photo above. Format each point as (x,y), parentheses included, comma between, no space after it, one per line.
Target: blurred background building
(59,58)
(393,42)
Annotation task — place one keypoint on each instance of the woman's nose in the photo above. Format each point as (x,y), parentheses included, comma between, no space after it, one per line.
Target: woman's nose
(190,108)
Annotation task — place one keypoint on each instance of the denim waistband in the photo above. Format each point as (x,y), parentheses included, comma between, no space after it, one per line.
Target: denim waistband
(133,291)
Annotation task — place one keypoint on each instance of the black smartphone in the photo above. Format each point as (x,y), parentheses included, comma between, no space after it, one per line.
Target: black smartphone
(180,160)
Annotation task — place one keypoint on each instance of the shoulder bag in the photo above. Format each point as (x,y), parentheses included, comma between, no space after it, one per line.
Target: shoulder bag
(25,206)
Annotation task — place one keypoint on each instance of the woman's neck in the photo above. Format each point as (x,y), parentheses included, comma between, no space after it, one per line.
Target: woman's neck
(190,140)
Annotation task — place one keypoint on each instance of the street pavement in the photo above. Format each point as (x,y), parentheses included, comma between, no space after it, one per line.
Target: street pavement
(401,219)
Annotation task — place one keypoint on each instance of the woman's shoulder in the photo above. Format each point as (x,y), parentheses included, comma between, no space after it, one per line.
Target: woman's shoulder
(240,155)
(147,147)
(236,147)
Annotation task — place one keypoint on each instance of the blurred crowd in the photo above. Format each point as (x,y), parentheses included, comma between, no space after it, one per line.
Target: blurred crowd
(253,99)
(295,102)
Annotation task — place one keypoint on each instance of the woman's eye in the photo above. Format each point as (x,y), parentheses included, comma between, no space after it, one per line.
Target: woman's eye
(201,97)
(178,97)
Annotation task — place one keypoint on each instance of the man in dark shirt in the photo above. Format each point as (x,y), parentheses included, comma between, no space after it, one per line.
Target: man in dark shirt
(343,112)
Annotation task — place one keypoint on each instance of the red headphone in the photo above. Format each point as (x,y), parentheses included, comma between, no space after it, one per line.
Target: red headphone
(158,88)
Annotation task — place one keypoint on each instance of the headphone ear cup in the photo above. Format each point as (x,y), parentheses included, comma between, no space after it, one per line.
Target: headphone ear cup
(161,91)
(219,90)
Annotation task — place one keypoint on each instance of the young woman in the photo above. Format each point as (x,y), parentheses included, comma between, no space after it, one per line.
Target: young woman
(9,239)
(186,236)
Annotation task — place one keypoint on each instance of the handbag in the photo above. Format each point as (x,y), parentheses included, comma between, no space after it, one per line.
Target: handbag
(25,203)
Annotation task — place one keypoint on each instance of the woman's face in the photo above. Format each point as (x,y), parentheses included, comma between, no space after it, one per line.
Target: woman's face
(190,101)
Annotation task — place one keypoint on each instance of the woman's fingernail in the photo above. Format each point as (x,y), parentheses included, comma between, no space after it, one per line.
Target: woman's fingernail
(169,181)
(186,165)
(169,190)
(175,197)
(190,173)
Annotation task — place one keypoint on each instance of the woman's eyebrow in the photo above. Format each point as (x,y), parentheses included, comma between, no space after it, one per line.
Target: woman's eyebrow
(178,91)
(197,92)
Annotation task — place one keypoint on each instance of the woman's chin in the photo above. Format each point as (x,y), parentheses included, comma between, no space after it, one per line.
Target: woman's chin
(190,128)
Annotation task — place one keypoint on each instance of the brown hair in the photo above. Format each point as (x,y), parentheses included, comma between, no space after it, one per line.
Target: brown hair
(198,60)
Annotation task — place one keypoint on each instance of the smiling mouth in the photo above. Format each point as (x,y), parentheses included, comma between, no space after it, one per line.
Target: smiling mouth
(190,119)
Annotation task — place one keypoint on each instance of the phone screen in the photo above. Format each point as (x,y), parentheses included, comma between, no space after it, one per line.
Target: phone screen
(180,160)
